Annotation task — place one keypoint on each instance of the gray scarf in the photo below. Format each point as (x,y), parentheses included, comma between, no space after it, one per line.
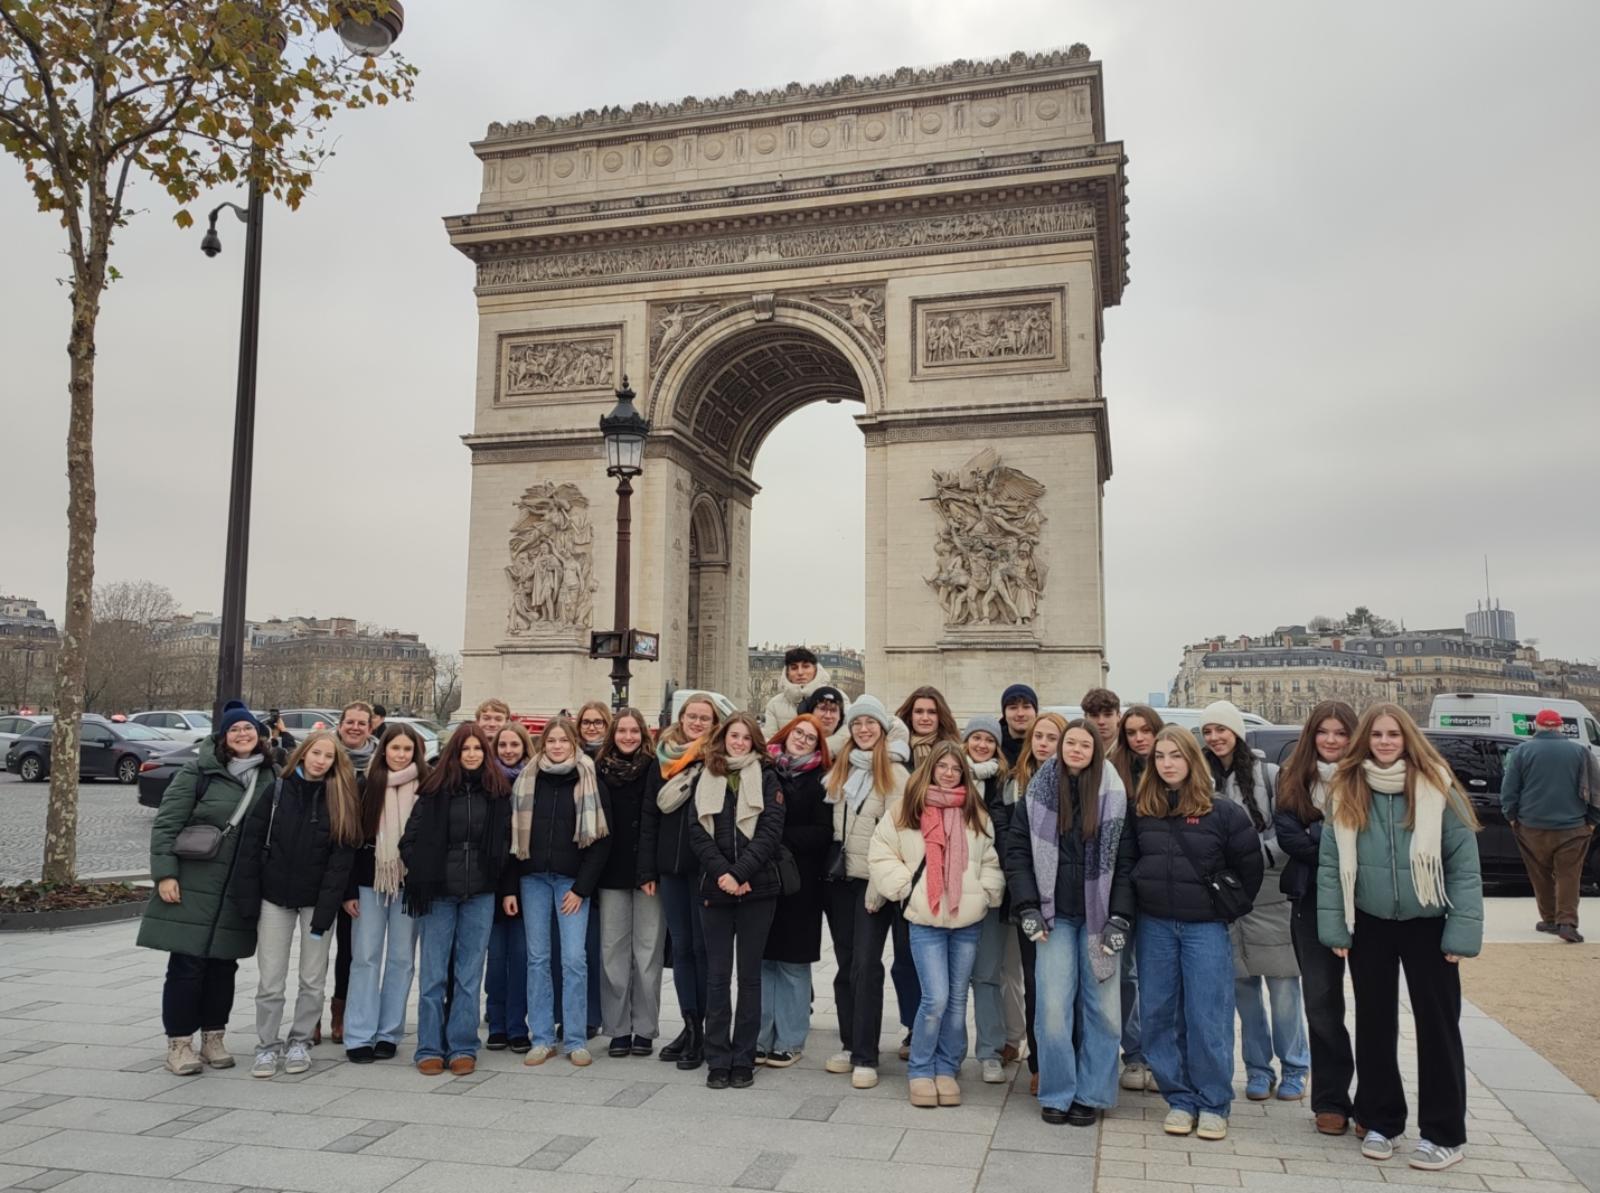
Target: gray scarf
(240,767)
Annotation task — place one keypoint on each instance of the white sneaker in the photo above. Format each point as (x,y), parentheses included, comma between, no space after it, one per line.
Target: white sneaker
(1212,1126)
(1431,1157)
(266,1063)
(839,1062)
(1134,1076)
(994,1073)
(1179,1122)
(864,1077)
(1377,1146)
(297,1059)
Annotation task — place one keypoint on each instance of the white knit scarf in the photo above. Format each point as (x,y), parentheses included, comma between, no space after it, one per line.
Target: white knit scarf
(712,793)
(1427,837)
(984,771)
(1319,787)
(858,783)
(399,797)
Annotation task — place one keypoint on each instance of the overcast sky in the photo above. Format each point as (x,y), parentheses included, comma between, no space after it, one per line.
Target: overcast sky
(1351,360)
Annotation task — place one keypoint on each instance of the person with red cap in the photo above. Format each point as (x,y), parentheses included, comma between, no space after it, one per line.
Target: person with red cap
(1551,799)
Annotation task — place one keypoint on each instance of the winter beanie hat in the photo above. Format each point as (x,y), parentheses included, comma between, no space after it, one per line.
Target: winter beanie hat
(1018,691)
(233,712)
(809,704)
(868,706)
(1224,713)
(983,725)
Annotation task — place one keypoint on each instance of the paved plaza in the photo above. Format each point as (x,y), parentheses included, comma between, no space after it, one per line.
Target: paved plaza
(85,1107)
(113,830)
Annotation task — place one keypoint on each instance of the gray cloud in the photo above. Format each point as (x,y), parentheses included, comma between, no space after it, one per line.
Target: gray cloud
(1355,356)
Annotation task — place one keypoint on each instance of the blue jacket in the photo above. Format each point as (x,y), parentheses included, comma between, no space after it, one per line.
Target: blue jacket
(1544,782)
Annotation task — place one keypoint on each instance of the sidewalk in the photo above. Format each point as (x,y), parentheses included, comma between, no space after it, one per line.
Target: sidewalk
(86,1108)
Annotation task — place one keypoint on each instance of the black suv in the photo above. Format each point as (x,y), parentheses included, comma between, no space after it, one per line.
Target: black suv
(1478,760)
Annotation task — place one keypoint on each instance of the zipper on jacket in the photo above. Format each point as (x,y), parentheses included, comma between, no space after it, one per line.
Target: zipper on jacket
(1394,862)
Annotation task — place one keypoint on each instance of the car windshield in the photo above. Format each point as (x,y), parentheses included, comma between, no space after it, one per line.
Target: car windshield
(141,733)
(40,730)
(199,720)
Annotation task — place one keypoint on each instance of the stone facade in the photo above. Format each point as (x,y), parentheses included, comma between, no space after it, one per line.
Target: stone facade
(28,646)
(937,246)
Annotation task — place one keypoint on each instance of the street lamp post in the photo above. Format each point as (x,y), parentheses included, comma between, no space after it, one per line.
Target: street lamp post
(369,38)
(625,431)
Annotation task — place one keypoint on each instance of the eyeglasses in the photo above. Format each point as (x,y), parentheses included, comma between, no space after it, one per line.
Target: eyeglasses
(592,723)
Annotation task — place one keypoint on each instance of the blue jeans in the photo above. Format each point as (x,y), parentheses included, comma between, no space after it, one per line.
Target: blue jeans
(944,958)
(383,943)
(463,924)
(1287,1034)
(1186,1011)
(1070,993)
(785,1006)
(688,936)
(988,993)
(1132,1050)
(505,985)
(541,894)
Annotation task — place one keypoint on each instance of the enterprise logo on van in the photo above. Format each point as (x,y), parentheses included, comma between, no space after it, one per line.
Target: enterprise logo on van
(1469,721)
(1522,725)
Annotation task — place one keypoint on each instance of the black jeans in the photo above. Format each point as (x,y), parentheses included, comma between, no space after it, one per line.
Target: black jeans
(1030,994)
(341,955)
(198,994)
(741,925)
(1381,950)
(839,901)
(1333,1064)
(871,930)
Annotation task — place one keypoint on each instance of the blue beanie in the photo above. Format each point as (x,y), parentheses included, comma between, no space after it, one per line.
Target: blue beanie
(233,713)
(1019,691)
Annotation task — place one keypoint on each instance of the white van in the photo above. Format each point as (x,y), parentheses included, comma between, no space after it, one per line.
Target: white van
(1492,712)
(1189,718)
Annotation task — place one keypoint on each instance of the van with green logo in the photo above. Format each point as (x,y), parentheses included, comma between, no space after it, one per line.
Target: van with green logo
(1491,712)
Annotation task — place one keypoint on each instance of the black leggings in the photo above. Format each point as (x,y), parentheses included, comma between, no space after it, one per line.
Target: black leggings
(736,936)
(198,994)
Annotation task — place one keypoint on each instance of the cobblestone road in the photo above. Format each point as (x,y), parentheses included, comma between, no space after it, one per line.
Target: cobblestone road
(113,830)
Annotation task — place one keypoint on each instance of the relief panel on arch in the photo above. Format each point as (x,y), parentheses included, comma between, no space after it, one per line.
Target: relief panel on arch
(1019,331)
(558,363)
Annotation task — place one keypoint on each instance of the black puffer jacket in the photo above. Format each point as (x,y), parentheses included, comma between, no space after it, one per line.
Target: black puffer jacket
(1168,885)
(664,836)
(796,934)
(551,847)
(1303,843)
(725,850)
(621,872)
(301,864)
(1071,869)
(454,843)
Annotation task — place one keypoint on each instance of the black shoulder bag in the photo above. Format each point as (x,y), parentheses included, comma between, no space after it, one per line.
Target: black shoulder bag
(835,871)
(1228,898)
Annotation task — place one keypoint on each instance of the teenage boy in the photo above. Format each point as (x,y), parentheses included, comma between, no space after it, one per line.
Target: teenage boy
(801,677)
(1019,705)
(1102,708)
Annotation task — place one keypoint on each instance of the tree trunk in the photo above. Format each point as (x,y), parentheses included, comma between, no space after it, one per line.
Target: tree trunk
(61,822)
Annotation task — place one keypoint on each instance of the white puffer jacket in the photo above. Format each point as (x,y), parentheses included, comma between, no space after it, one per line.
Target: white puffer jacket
(855,829)
(785,706)
(897,852)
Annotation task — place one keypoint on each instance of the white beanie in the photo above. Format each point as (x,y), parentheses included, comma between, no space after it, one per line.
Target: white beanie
(867,706)
(1223,712)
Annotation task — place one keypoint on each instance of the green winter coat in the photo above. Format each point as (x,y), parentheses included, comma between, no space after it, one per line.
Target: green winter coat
(214,919)
(1383,878)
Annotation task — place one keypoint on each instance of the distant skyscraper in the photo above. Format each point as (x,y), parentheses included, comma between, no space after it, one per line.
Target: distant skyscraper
(1492,623)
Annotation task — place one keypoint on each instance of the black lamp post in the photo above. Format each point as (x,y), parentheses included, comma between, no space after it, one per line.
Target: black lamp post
(625,431)
(369,39)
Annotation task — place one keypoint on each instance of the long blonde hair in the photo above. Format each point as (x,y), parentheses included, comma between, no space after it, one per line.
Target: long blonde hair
(973,812)
(1194,794)
(1350,796)
(338,785)
(1026,765)
(882,767)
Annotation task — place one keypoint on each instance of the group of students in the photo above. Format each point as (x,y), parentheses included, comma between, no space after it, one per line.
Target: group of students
(1101,885)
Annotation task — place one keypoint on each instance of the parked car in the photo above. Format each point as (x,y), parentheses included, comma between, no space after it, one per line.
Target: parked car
(1478,761)
(13,727)
(186,725)
(300,721)
(156,773)
(427,730)
(105,751)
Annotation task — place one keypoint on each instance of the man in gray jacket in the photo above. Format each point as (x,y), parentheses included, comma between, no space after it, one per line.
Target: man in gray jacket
(1551,799)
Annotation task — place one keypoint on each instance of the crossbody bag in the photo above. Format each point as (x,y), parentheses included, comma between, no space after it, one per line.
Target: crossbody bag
(1228,897)
(202,842)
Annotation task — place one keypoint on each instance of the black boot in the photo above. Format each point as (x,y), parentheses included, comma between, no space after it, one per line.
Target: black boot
(674,1050)
(694,1052)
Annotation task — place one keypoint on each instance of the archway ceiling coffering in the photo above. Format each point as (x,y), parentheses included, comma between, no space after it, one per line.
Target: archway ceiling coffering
(735,398)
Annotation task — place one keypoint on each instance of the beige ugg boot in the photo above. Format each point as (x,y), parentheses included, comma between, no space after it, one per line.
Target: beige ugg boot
(949,1091)
(181,1060)
(924,1092)
(213,1051)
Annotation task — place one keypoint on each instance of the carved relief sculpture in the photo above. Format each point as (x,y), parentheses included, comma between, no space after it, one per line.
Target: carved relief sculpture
(670,322)
(557,366)
(552,561)
(1020,332)
(988,570)
(863,308)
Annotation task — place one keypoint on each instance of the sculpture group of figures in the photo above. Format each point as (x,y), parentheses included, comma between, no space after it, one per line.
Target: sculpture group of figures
(993,334)
(552,564)
(568,364)
(989,571)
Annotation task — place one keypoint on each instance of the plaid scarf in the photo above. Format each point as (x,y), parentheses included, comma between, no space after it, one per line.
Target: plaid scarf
(590,818)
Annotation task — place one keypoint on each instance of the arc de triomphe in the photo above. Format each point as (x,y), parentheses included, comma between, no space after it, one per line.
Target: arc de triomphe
(936,245)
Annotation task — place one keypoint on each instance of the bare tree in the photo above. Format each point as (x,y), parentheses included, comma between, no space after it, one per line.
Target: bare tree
(185,95)
(446,685)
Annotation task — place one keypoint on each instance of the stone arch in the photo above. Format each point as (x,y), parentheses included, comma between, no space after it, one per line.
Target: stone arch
(708,590)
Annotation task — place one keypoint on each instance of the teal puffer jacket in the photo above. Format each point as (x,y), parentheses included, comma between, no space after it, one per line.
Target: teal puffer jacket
(1383,878)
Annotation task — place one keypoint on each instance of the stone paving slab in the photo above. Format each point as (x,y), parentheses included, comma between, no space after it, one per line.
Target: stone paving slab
(85,1107)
